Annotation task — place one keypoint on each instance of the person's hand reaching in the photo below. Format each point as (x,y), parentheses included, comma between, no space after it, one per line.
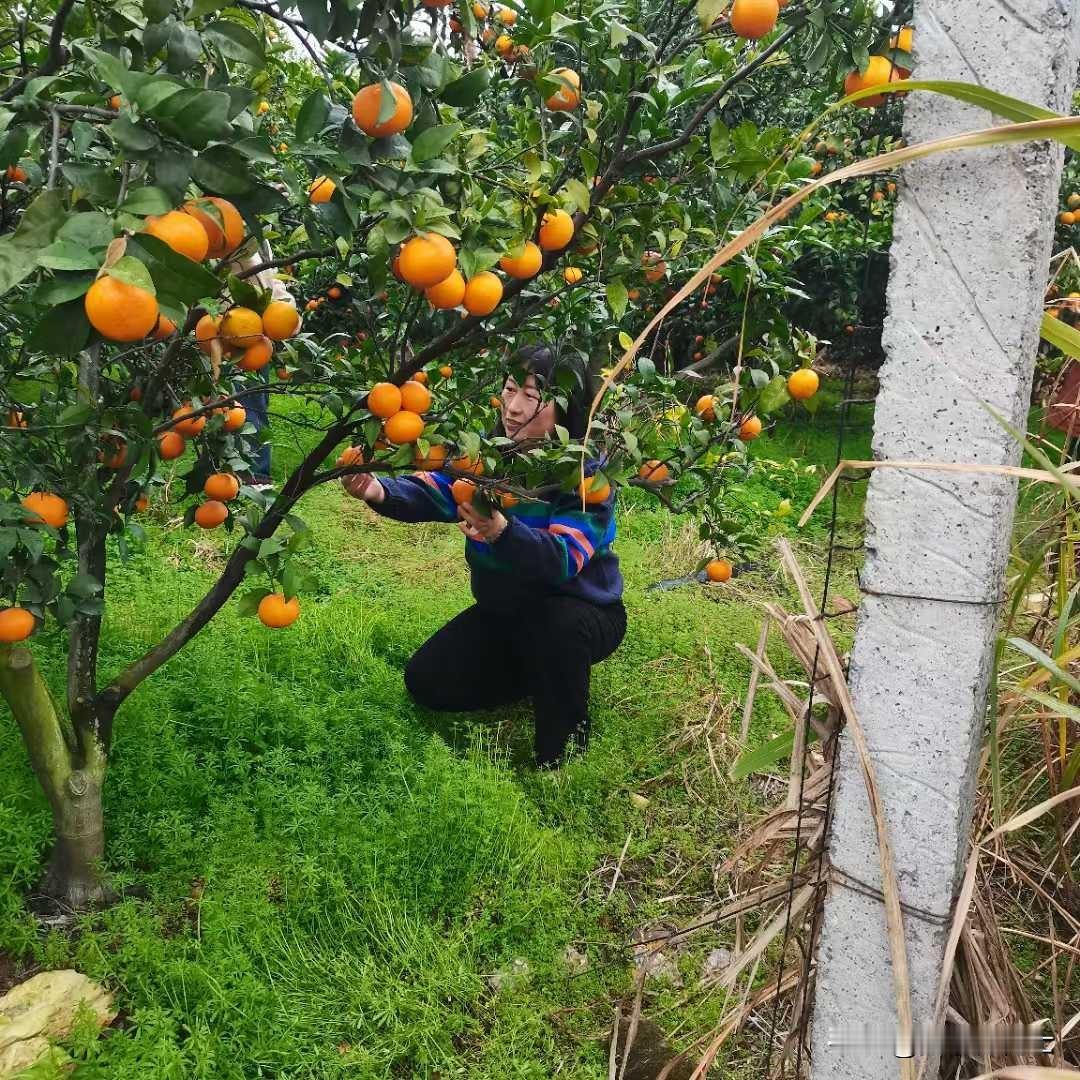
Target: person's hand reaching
(480,527)
(364,486)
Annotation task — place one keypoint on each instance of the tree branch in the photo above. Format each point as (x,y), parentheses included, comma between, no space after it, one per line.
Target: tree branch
(56,55)
(286,260)
(669,146)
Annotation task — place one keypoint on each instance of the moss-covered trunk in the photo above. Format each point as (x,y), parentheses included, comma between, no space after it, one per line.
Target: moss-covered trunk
(70,766)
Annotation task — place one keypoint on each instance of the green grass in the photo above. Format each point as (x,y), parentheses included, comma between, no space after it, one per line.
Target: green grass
(321,875)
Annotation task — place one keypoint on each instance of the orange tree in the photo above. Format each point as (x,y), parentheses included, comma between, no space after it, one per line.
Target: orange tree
(438,186)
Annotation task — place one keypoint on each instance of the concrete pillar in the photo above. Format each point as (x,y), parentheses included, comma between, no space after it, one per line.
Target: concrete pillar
(969,267)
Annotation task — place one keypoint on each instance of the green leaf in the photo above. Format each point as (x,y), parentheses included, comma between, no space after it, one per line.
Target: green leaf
(92,230)
(248,604)
(61,288)
(1061,335)
(92,182)
(172,170)
(148,200)
(616,298)
(196,116)
(317,20)
(465,91)
(178,279)
(156,10)
(132,272)
(62,255)
(312,117)
(578,194)
(19,250)
(236,42)
(132,137)
(774,396)
(431,143)
(762,758)
(223,170)
(184,48)
(63,331)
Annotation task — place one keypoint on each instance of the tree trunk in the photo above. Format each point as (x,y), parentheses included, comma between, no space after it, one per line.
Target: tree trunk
(71,771)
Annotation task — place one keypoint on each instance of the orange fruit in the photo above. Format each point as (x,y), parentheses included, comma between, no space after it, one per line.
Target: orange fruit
(241,327)
(426,259)
(496,403)
(483,293)
(115,455)
(572,275)
(171,445)
(222,221)
(504,45)
(463,490)
(754,18)
(165,328)
(334,292)
(367,104)
(507,16)
(593,493)
(705,407)
(283,374)
(655,267)
(420,377)
(445,370)
(222,486)
(523,262)
(435,458)
(479,11)
(556,230)
(384,400)
(447,293)
(655,472)
(803,384)
(47,507)
(17,174)
(206,329)
(718,570)
(488,36)
(235,418)
(115,101)
(470,465)
(568,96)
(191,426)
(142,503)
(879,71)
(404,427)
(903,40)
(698,356)
(415,397)
(277,612)
(210,514)
(1073,200)
(280,320)
(16,624)
(1067,218)
(351,455)
(750,428)
(312,305)
(257,355)
(507,499)
(183,233)
(119,311)
(321,190)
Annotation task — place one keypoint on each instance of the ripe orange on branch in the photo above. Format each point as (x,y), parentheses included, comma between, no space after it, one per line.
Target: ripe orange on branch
(572,275)
(280,320)
(754,18)
(483,293)
(803,384)
(171,445)
(384,400)
(119,311)
(523,262)
(221,486)
(705,407)
(224,235)
(594,489)
(750,428)
(447,293)
(462,490)
(879,71)
(426,259)
(182,232)
(415,397)
(241,327)
(48,507)
(187,425)
(210,514)
(206,330)
(367,104)
(655,472)
(556,230)
(277,612)
(404,427)
(255,357)
(435,458)
(321,190)
(235,418)
(16,624)
(568,96)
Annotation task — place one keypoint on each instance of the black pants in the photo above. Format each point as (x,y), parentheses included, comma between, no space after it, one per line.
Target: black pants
(479,660)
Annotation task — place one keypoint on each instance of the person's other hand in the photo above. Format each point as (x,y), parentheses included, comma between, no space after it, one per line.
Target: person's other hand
(480,527)
(364,486)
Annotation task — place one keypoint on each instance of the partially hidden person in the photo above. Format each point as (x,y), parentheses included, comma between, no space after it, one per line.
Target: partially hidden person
(545,576)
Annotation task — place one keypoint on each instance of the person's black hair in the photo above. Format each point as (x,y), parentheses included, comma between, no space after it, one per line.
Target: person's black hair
(560,375)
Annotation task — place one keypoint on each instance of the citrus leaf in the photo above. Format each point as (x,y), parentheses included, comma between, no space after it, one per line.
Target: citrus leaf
(431,143)
(312,117)
(132,272)
(236,42)
(178,279)
(148,200)
(617,298)
(63,255)
(465,91)
(223,170)
(39,225)
(62,331)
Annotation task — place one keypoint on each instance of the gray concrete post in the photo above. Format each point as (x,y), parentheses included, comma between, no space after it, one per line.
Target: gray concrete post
(969,262)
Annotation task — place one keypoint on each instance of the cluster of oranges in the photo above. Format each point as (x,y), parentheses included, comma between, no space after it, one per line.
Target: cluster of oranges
(1072,215)
(881,70)
(248,336)
(401,409)
(188,423)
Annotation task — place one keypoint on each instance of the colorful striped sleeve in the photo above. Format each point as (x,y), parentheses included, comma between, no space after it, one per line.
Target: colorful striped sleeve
(560,550)
(422,496)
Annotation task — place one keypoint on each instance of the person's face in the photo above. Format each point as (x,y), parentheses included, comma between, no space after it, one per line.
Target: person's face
(525,413)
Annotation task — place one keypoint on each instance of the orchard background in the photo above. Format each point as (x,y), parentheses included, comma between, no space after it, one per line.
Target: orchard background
(247,830)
